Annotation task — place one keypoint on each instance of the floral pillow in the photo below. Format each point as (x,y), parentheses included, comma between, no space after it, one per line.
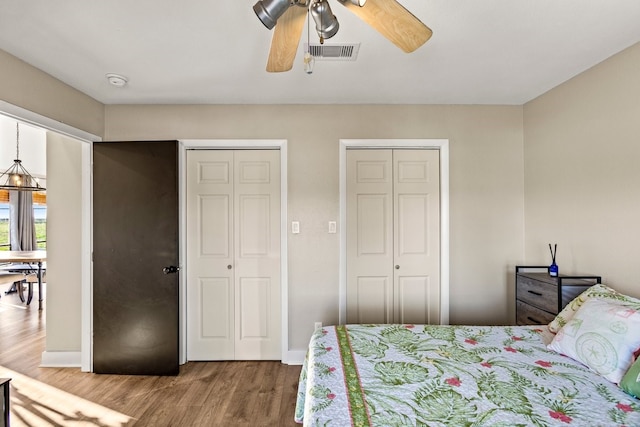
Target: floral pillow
(596,291)
(602,335)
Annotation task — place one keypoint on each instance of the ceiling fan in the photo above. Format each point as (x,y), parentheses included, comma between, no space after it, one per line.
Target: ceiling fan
(388,17)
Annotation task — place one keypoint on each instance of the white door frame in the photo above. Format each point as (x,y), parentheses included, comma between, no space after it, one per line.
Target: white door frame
(438,144)
(84,357)
(233,144)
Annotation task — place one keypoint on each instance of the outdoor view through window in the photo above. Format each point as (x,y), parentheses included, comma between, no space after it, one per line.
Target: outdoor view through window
(40,220)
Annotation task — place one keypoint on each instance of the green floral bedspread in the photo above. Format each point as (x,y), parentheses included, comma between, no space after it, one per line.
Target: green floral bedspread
(417,375)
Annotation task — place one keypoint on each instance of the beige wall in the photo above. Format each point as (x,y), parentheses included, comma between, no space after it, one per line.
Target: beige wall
(64,234)
(27,87)
(578,188)
(486,188)
(582,173)
(486,185)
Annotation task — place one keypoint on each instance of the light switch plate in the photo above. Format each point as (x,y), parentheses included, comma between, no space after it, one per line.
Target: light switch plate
(295,227)
(332,227)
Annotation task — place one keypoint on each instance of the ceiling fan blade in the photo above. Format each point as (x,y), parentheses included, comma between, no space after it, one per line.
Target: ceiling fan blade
(285,40)
(393,21)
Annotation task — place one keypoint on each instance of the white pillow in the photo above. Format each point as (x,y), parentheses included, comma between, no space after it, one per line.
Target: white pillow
(602,335)
(596,291)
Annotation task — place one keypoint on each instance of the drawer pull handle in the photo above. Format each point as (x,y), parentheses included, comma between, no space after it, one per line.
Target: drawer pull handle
(536,321)
(535,293)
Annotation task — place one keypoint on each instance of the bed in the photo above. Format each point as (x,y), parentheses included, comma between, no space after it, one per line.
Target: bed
(426,375)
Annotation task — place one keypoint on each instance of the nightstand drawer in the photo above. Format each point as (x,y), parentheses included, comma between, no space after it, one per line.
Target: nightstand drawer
(528,315)
(538,294)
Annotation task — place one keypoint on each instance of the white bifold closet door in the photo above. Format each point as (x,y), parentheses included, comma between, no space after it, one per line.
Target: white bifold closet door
(233,255)
(393,236)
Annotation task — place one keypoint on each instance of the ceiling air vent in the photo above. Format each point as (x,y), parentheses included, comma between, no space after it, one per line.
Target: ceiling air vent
(334,52)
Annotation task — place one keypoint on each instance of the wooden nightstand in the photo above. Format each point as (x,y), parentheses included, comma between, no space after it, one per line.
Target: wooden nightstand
(540,297)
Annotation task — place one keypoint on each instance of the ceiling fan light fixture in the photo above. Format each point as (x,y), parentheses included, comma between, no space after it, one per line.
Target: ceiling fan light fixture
(268,11)
(326,23)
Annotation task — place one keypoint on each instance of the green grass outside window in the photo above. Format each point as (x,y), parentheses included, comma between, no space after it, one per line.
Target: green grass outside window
(41,234)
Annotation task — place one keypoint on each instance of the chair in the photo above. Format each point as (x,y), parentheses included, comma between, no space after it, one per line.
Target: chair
(30,279)
(13,279)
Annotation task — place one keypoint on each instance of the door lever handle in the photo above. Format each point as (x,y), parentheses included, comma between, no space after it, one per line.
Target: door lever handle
(171,269)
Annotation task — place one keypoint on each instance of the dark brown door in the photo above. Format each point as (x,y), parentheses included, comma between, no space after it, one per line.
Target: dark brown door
(135,242)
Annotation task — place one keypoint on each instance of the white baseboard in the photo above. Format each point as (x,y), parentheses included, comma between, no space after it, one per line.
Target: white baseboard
(72,359)
(61,359)
(295,357)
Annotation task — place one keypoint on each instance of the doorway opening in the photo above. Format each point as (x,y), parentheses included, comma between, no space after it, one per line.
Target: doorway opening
(79,284)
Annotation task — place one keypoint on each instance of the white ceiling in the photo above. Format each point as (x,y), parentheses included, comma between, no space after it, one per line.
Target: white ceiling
(215,51)
(32,147)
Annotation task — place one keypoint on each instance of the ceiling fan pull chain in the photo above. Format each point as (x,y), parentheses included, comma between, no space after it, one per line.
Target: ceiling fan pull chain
(321,36)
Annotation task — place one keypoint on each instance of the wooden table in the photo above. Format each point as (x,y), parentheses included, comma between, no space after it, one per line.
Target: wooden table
(27,257)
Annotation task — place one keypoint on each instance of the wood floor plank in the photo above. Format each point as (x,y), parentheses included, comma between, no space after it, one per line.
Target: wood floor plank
(237,394)
(238,409)
(203,378)
(270,393)
(289,397)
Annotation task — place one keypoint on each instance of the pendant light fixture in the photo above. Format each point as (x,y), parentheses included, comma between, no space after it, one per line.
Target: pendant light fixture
(17,177)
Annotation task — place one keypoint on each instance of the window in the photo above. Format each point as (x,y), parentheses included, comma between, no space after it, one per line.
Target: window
(4,227)
(39,217)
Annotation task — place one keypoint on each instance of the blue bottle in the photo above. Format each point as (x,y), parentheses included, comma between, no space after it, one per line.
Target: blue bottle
(553,268)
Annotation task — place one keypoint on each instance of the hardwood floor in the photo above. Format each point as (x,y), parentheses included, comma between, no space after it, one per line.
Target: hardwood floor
(203,394)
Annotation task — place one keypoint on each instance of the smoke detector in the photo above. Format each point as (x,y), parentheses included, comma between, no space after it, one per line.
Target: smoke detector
(116,80)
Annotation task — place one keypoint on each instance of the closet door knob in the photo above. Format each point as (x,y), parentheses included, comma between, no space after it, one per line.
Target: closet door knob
(229,267)
(397,267)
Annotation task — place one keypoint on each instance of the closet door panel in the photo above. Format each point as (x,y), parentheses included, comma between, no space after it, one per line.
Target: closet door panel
(210,285)
(254,299)
(257,254)
(414,300)
(412,222)
(369,236)
(372,303)
(215,240)
(416,236)
(215,301)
